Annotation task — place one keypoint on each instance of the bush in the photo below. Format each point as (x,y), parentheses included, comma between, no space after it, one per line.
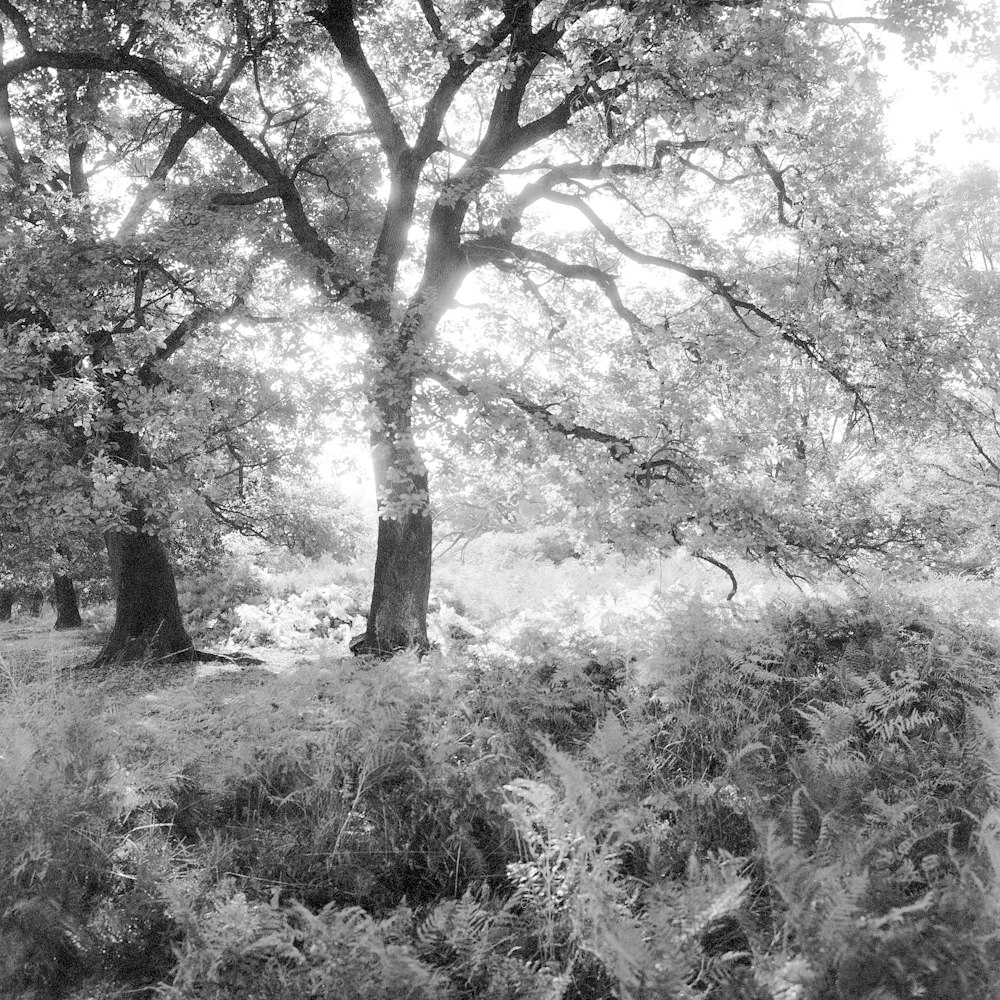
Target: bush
(297,620)
(241,950)
(209,599)
(75,898)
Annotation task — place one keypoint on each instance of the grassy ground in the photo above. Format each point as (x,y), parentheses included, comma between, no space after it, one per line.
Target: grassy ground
(606,781)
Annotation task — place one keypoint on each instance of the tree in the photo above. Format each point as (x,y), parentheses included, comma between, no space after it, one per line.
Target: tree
(387,152)
(106,428)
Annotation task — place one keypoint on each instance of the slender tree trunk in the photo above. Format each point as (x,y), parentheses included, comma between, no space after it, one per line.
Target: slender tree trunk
(6,604)
(147,614)
(34,599)
(67,607)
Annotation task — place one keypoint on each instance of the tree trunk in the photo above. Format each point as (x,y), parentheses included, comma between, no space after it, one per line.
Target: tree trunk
(6,604)
(398,616)
(34,599)
(147,614)
(67,608)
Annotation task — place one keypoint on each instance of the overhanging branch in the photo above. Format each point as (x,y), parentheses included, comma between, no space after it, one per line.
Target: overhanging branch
(655,467)
(331,275)
(727,291)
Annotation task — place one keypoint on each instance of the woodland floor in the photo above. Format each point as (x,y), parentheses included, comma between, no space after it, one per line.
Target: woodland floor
(25,641)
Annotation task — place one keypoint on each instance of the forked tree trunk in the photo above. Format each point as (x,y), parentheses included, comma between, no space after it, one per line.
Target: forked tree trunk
(148,619)
(67,608)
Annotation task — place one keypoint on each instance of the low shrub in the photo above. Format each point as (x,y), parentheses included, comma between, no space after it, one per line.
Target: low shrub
(77,898)
(209,599)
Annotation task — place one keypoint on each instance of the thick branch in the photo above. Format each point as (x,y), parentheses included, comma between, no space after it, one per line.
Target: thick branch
(189,127)
(239,198)
(180,335)
(338,20)
(431,17)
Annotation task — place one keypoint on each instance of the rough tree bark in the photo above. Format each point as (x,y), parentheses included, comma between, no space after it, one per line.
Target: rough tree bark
(397,618)
(148,620)
(67,607)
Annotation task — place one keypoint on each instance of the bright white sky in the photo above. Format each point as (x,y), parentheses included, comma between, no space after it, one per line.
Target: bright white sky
(919,111)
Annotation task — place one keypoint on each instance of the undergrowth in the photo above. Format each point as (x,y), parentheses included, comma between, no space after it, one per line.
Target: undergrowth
(636,796)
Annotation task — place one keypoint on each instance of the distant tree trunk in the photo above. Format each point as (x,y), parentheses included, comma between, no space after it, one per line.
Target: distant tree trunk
(7,604)
(34,600)
(147,613)
(800,441)
(67,608)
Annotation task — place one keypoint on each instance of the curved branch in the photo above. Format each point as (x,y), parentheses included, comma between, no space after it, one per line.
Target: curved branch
(22,30)
(718,564)
(494,249)
(656,467)
(618,446)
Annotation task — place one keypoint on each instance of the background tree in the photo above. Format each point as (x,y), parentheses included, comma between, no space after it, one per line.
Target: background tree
(106,428)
